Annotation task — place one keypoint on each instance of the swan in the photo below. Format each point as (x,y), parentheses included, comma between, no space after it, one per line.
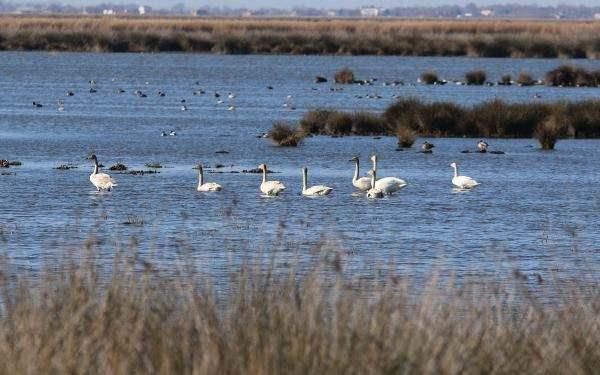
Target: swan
(374,193)
(184,108)
(101,181)
(482,146)
(206,186)
(231,95)
(313,190)
(388,185)
(462,182)
(272,188)
(363,183)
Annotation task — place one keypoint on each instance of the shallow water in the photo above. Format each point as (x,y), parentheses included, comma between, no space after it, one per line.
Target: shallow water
(535,210)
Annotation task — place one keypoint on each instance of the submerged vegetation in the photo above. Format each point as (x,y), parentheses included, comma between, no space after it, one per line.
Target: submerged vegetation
(409,117)
(497,38)
(81,317)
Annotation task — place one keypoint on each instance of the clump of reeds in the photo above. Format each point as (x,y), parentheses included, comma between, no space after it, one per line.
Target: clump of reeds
(79,316)
(549,131)
(525,80)
(285,135)
(570,76)
(429,77)
(118,167)
(406,137)
(476,77)
(505,80)
(344,76)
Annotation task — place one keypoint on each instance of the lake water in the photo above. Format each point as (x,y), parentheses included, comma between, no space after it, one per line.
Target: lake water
(537,211)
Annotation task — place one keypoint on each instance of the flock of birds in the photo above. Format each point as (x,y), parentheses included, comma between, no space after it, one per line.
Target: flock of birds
(373,187)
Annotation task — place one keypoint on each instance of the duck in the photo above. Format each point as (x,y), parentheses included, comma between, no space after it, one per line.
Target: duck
(172,133)
(184,108)
(317,190)
(231,108)
(427,147)
(270,188)
(462,182)
(231,95)
(206,186)
(482,146)
(61,106)
(374,193)
(37,105)
(70,93)
(387,185)
(363,183)
(101,181)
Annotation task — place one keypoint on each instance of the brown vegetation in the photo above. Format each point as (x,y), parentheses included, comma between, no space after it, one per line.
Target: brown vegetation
(285,135)
(429,78)
(498,38)
(80,317)
(409,117)
(476,77)
(571,76)
(344,76)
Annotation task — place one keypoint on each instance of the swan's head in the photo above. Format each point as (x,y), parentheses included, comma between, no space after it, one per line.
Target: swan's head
(374,158)
(263,167)
(354,158)
(199,167)
(453,165)
(93,158)
(304,170)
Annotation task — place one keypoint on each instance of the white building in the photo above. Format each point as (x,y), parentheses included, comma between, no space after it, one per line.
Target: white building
(370,12)
(108,12)
(142,10)
(597,16)
(486,12)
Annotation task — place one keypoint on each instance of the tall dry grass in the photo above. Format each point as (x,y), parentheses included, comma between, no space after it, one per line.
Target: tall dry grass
(81,317)
(498,38)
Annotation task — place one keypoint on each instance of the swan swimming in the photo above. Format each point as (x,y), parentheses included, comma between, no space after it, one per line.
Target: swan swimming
(388,185)
(206,186)
(272,188)
(462,182)
(363,183)
(317,190)
(374,193)
(101,181)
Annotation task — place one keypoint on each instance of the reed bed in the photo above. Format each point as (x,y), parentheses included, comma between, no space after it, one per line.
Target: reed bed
(497,38)
(410,116)
(78,316)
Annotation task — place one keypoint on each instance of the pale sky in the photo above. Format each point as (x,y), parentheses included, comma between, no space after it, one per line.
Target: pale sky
(326,3)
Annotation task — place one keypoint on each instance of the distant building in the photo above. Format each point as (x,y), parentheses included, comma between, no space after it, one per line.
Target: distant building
(468,14)
(247,13)
(597,16)
(142,10)
(108,12)
(370,11)
(486,12)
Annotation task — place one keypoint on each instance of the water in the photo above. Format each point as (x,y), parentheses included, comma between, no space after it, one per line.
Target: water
(537,211)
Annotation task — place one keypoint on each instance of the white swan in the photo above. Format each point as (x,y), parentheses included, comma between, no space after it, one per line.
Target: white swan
(206,186)
(363,183)
(462,182)
(272,188)
(374,193)
(388,185)
(313,190)
(101,181)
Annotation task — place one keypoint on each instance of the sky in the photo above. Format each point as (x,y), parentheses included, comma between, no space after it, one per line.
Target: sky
(326,3)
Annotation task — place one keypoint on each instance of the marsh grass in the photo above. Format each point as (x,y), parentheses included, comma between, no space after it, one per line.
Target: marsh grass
(429,78)
(410,117)
(482,38)
(571,76)
(81,316)
(344,76)
(476,77)
(285,135)
(525,79)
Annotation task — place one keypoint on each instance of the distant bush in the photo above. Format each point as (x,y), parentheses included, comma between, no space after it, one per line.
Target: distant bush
(429,78)
(476,77)
(525,80)
(569,76)
(285,135)
(344,76)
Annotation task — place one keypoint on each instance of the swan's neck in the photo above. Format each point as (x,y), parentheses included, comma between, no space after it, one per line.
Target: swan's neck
(374,164)
(95,167)
(373,178)
(356,171)
(455,171)
(264,174)
(200,176)
(304,179)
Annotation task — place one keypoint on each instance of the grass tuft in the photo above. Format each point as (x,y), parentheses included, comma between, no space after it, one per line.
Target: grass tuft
(285,135)
(344,76)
